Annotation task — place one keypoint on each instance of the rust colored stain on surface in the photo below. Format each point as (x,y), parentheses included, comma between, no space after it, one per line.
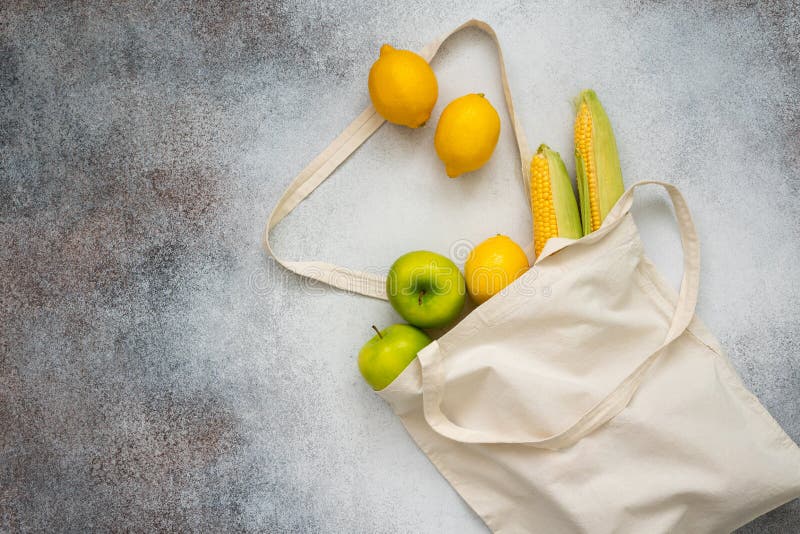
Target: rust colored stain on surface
(110,194)
(189,194)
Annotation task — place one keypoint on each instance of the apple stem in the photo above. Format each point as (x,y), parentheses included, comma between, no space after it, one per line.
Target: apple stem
(377,331)
(421,294)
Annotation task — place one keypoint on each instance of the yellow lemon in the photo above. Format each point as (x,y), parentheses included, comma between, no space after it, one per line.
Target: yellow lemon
(403,87)
(466,134)
(493,265)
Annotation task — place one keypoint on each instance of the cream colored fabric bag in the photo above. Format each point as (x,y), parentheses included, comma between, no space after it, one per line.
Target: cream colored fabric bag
(586,397)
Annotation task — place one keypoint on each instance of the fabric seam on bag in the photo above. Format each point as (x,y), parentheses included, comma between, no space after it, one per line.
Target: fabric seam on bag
(732,378)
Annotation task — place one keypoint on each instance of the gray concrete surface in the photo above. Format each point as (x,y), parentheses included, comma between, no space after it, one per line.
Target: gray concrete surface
(158,372)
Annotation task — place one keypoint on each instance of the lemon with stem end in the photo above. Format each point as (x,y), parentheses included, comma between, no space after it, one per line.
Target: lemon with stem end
(403,87)
(493,265)
(467,133)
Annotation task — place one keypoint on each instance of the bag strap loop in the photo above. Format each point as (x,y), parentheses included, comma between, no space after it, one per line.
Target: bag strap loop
(367,123)
(433,379)
(373,285)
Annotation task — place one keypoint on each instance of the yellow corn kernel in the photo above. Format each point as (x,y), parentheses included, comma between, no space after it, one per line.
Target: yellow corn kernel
(597,167)
(555,211)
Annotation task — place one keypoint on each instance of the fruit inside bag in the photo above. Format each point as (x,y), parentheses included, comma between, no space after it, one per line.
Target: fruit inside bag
(427,289)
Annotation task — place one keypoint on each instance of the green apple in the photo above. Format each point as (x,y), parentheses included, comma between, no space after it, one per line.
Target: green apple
(384,357)
(426,289)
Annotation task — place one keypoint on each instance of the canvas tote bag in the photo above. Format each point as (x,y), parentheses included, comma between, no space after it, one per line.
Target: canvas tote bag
(585,397)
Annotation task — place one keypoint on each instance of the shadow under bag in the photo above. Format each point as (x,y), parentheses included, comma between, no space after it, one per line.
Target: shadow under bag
(586,396)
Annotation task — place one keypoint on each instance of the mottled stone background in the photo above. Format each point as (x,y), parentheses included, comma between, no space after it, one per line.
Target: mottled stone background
(158,371)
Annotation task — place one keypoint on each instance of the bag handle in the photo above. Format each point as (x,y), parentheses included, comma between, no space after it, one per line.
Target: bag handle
(430,358)
(367,123)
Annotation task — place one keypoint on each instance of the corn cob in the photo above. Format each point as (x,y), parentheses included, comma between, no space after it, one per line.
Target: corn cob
(555,211)
(596,162)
